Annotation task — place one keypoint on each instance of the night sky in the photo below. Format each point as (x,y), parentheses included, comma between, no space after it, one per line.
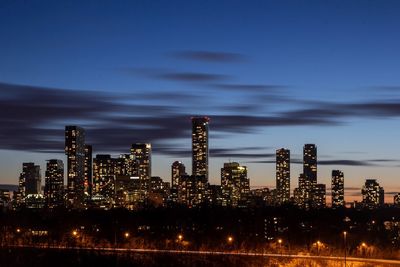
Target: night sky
(269,74)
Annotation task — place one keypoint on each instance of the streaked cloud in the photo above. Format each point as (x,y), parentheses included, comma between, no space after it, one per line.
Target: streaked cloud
(210,56)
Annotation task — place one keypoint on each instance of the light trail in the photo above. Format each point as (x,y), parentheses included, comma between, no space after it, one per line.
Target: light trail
(196,252)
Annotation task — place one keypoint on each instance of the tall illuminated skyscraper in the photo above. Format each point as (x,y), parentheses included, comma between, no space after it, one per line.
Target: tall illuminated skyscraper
(319,196)
(309,172)
(337,189)
(234,184)
(283,175)
(200,146)
(104,177)
(54,183)
(75,151)
(177,171)
(88,170)
(142,153)
(372,194)
(29,179)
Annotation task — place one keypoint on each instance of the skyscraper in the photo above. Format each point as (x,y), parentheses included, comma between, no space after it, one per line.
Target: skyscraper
(177,171)
(234,184)
(104,177)
(200,146)
(319,196)
(54,183)
(372,194)
(75,151)
(309,171)
(88,170)
(142,153)
(337,189)
(29,179)
(283,175)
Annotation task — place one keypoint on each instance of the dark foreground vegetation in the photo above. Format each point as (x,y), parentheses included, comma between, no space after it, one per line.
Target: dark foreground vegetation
(265,230)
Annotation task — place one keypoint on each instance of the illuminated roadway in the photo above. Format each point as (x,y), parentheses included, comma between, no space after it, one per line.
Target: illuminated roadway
(231,253)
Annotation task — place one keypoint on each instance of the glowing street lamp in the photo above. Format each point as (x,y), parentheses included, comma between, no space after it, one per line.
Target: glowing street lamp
(280,241)
(345,246)
(230,239)
(75,233)
(180,237)
(18,230)
(126,235)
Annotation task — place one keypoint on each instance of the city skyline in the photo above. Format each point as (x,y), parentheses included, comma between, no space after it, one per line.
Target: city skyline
(269,75)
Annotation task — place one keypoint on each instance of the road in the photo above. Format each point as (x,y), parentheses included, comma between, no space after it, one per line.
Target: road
(230,253)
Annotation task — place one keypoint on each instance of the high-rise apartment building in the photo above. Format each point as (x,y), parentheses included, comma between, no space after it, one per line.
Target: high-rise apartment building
(309,172)
(337,189)
(178,169)
(104,177)
(29,179)
(283,175)
(75,151)
(88,170)
(200,146)
(54,184)
(319,196)
(372,194)
(234,184)
(142,154)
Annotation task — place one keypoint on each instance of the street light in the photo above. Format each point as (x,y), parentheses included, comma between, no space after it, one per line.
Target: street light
(74,233)
(280,244)
(180,237)
(18,230)
(345,246)
(126,234)
(230,239)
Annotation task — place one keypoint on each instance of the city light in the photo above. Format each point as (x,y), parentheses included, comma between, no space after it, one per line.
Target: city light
(74,233)
(230,239)
(180,237)
(126,234)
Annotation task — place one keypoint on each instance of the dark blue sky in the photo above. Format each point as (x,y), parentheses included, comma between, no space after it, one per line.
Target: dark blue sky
(270,74)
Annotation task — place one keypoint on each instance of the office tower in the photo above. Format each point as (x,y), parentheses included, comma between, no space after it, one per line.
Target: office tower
(29,179)
(142,154)
(200,146)
(235,184)
(126,165)
(319,196)
(75,151)
(177,171)
(159,191)
(337,189)
(54,183)
(303,193)
(104,177)
(192,190)
(372,194)
(283,175)
(309,171)
(88,170)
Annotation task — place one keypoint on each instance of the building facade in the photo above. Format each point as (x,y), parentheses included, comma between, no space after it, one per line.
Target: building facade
(54,184)
(234,184)
(337,189)
(75,151)
(372,194)
(142,154)
(283,175)
(200,153)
